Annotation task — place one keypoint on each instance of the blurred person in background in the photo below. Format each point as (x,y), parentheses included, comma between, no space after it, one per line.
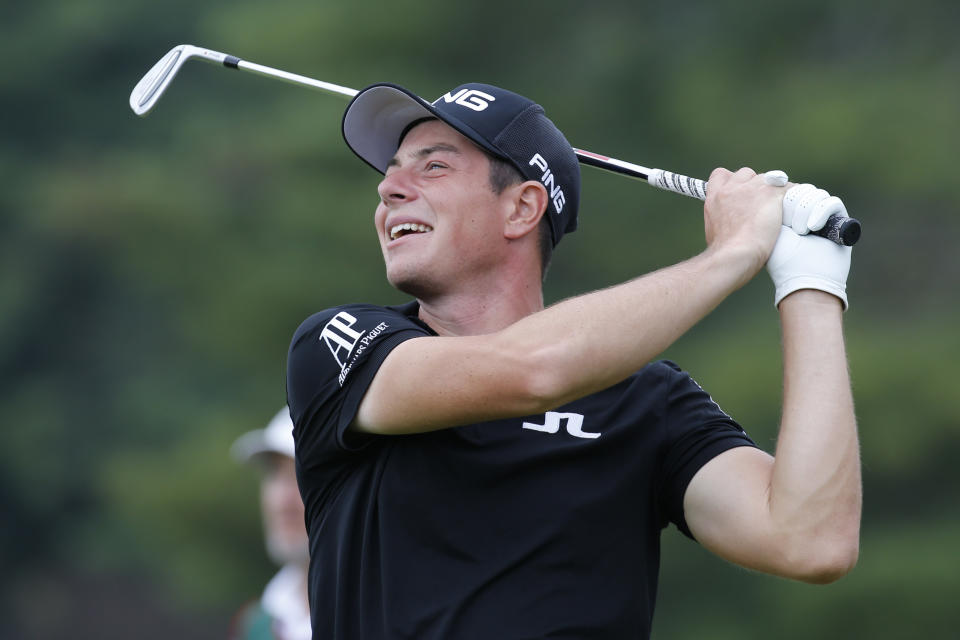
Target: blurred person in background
(282,612)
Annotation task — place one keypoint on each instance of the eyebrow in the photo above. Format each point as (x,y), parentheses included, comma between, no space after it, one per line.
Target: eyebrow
(426,151)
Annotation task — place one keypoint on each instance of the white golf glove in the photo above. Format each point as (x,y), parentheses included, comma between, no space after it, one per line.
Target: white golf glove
(807,208)
(808,262)
(801,261)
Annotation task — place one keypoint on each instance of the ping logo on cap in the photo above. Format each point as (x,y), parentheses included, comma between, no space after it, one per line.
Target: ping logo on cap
(469,98)
(556,191)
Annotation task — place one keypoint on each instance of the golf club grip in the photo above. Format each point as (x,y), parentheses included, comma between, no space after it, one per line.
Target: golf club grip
(842,230)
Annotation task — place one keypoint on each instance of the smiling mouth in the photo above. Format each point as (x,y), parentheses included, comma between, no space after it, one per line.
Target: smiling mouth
(407,228)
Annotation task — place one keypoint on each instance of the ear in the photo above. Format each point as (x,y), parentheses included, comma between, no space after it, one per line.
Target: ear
(527,202)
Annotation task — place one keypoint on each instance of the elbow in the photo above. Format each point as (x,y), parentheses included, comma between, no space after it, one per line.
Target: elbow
(541,391)
(828,561)
(544,384)
(546,373)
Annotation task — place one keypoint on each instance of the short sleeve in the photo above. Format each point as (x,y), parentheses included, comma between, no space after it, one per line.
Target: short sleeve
(333,358)
(696,431)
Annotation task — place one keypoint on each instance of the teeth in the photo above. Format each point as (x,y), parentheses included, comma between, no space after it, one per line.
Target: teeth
(408,226)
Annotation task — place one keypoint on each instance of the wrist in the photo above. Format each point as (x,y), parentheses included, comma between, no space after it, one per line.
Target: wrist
(789,286)
(738,262)
(811,300)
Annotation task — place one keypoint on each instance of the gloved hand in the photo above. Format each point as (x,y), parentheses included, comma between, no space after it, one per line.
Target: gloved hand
(808,262)
(807,208)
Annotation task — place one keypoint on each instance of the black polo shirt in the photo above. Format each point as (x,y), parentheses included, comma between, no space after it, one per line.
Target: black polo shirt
(545,526)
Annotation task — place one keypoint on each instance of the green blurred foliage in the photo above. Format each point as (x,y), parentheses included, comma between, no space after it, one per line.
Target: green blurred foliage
(153,270)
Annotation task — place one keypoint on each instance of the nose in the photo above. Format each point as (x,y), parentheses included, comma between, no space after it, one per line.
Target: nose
(395,188)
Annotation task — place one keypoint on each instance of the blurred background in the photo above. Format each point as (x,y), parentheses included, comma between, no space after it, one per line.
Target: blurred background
(152,271)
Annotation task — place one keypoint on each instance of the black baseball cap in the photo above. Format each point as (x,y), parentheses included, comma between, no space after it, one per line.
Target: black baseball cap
(505,124)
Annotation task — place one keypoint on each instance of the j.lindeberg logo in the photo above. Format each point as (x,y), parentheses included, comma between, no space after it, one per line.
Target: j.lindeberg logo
(551,424)
(469,98)
(556,192)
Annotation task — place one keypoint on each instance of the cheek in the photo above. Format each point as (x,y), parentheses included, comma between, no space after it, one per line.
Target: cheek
(483,222)
(475,215)
(379,215)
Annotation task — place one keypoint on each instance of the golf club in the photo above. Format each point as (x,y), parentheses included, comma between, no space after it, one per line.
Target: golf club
(842,230)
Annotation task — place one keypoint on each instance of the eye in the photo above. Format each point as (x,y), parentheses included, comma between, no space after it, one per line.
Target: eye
(433,164)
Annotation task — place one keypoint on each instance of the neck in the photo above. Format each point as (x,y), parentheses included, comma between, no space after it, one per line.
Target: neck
(478,309)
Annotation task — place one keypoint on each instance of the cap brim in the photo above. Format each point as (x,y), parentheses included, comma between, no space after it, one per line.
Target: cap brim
(379,115)
(249,445)
(254,444)
(375,119)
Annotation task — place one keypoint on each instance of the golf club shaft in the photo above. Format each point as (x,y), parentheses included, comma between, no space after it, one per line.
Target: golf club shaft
(259,69)
(839,229)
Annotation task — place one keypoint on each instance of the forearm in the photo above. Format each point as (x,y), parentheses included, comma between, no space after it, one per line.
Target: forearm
(590,342)
(815,488)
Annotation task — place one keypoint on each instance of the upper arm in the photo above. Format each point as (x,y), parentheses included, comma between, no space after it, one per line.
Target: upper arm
(731,509)
(436,382)
(726,508)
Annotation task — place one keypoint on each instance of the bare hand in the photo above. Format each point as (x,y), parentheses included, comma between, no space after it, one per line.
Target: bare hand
(743,214)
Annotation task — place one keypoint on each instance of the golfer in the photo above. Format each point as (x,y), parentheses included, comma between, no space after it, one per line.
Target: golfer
(474,465)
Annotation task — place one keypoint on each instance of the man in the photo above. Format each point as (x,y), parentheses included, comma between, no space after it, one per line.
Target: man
(282,612)
(476,466)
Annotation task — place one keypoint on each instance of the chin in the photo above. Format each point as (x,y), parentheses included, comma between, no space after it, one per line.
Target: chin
(412,283)
(414,289)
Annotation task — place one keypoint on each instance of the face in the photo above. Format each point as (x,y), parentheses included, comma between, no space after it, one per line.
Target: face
(283,524)
(439,222)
